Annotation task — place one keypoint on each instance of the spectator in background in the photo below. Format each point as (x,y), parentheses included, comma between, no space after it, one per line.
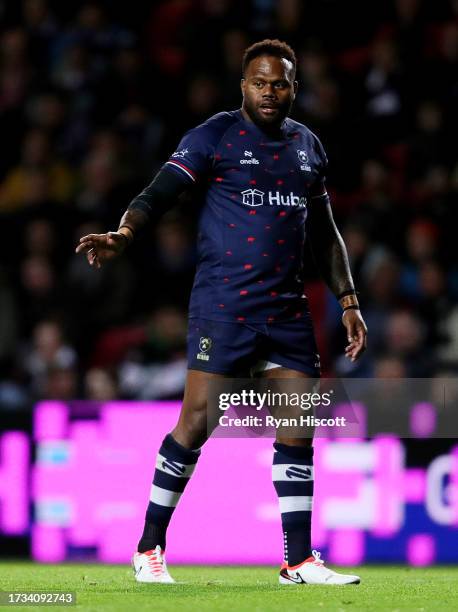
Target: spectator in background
(60,383)
(384,93)
(405,338)
(100,385)
(36,159)
(421,245)
(16,72)
(38,292)
(96,302)
(390,366)
(157,368)
(49,361)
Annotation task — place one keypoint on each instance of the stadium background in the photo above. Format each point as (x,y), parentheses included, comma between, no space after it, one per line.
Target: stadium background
(93,97)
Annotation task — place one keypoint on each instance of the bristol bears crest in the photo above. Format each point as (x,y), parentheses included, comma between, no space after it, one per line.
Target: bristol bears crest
(205,345)
(304,159)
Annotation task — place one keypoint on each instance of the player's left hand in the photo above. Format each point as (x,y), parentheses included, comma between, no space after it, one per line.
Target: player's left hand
(356,333)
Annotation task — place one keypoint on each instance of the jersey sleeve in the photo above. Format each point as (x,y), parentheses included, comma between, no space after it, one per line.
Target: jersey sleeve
(323,161)
(194,155)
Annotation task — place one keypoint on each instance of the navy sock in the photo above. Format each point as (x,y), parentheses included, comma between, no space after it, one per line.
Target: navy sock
(175,465)
(292,475)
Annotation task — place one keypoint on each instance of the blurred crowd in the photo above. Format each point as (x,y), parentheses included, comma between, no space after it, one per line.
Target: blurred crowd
(94,97)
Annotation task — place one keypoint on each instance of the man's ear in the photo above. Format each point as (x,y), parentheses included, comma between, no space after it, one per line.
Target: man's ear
(242,85)
(295,87)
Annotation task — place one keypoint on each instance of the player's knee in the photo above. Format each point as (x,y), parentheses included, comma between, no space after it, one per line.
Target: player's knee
(191,431)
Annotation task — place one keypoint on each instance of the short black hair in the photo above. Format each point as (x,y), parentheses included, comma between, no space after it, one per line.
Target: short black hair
(274,47)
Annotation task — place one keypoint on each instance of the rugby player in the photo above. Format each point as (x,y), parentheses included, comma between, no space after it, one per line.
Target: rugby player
(264,178)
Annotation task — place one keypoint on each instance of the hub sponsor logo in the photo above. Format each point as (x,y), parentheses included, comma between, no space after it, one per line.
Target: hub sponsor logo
(252,197)
(276,199)
(255,197)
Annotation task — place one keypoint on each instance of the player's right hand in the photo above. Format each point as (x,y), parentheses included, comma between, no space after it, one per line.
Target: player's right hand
(100,248)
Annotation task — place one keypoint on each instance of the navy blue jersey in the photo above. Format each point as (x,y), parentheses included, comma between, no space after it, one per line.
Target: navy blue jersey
(252,227)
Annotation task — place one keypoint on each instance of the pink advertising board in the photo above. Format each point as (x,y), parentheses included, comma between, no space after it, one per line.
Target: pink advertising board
(92,476)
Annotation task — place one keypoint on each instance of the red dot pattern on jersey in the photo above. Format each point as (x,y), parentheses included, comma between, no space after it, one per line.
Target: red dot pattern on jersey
(298,315)
(277,269)
(265,254)
(229,144)
(217,156)
(232,225)
(276,156)
(273,294)
(260,282)
(240,318)
(219,179)
(243,292)
(270,319)
(221,305)
(282,213)
(281,241)
(228,252)
(279,182)
(226,279)
(251,212)
(242,132)
(248,266)
(267,227)
(253,182)
(251,239)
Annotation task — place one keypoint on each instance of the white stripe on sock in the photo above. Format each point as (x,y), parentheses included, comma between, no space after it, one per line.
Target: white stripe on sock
(280,472)
(162,497)
(297,503)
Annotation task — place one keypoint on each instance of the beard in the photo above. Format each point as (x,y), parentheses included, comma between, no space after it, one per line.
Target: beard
(268,117)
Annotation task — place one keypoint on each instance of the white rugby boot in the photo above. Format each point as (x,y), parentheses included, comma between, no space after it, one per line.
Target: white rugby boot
(314,571)
(150,566)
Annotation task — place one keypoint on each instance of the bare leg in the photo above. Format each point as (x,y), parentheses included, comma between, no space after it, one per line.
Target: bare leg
(286,373)
(191,428)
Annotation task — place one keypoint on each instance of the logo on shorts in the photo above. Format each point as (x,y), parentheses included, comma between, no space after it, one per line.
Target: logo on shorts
(304,158)
(205,345)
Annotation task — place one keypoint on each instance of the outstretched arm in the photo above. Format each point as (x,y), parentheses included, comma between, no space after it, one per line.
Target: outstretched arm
(147,207)
(331,257)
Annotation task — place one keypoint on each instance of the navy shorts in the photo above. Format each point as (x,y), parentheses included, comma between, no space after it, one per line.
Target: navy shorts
(244,349)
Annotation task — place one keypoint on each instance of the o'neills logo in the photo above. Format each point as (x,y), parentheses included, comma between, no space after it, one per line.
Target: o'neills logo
(255,197)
